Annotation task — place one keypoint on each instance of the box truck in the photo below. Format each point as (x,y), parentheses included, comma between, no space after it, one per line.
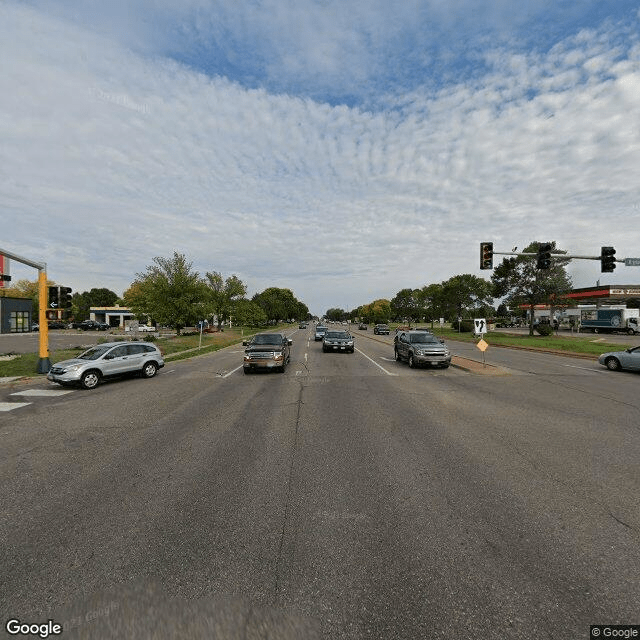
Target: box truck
(605,320)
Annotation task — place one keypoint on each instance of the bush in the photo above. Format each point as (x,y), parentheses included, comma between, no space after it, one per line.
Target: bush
(466,326)
(544,329)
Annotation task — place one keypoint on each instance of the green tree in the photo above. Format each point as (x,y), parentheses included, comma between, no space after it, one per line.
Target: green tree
(336,314)
(431,297)
(407,303)
(279,304)
(170,292)
(82,302)
(248,314)
(465,295)
(520,282)
(222,294)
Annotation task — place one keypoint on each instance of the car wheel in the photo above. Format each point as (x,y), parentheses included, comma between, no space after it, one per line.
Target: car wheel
(412,363)
(631,332)
(246,370)
(445,366)
(90,379)
(613,364)
(149,370)
(596,331)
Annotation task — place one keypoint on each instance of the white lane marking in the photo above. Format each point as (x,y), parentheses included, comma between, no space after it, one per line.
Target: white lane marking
(226,375)
(306,357)
(9,406)
(377,365)
(573,366)
(42,392)
(298,373)
(387,359)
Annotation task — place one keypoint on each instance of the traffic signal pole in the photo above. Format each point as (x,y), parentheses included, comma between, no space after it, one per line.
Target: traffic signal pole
(44,364)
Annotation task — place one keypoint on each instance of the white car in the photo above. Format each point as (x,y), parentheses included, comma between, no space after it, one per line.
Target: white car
(141,328)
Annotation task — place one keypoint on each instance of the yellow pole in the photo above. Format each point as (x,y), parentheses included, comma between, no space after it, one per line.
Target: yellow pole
(44,364)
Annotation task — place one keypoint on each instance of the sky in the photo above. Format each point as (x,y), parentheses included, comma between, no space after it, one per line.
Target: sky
(343,149)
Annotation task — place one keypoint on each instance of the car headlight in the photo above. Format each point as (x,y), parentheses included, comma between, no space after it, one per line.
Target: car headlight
(277,354)
(73,367)
(350,343)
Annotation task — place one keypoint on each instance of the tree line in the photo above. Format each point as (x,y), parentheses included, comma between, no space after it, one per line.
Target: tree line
(516,280)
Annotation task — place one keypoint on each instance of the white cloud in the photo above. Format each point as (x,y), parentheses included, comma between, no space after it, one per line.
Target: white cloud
(110,158)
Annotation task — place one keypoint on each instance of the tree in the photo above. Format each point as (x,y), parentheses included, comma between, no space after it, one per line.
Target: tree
(335,314)
(222,294)
(407,303)
(520,282)
(82,302)
(431,298)
(378,311)
(169,291)
(280,304)
(248,313)
(465,294)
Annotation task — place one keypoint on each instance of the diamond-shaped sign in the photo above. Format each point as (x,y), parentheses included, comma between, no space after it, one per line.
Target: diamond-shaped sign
(482,345)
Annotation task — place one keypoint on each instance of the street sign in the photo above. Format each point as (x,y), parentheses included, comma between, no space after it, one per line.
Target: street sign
(480,325)
(632,262)
(482,345)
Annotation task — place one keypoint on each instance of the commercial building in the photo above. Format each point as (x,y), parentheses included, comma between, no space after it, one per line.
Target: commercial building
(16,315)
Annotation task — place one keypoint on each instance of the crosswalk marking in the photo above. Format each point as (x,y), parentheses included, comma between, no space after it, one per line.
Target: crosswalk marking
(9,406)
(42,392)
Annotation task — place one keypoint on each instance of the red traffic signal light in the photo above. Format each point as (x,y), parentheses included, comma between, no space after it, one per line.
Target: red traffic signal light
(486,255)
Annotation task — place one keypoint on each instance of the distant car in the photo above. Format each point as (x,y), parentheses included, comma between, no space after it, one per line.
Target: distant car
(362,326)
(267,351)
(320,331)
(616,360)
(302,325)
(381,329)
(106,361)
(141,328)
(92,325)
(74,325)
(35,327)
(338,341)
(420,348)
(56,324)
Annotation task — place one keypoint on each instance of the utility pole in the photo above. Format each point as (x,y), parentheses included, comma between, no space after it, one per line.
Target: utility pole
(44,364)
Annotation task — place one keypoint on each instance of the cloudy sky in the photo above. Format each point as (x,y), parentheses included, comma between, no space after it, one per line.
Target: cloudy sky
(344,149)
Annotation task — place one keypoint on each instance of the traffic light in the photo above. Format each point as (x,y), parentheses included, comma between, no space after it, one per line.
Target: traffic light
(486,255)
(65,297)
(607,259)
(544,255)
(54,300)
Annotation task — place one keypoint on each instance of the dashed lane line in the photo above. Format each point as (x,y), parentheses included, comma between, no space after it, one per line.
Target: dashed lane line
(10,406)
(51,393)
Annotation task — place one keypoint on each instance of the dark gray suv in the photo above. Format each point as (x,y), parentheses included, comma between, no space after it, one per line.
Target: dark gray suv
(420,348)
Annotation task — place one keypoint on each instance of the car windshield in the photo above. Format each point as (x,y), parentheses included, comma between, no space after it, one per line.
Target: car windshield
(267,338)
(423,338)
(321,329)
(94,353)
(337,334)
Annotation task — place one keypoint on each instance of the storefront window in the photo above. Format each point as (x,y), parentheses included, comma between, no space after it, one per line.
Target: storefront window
(19,321)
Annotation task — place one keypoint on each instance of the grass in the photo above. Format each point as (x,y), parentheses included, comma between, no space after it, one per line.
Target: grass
(560,343)
(173,347)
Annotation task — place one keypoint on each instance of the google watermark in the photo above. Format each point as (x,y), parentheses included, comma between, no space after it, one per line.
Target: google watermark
(121,100)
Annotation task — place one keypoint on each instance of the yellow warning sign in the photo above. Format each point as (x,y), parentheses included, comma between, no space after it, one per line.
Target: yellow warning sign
(482,345)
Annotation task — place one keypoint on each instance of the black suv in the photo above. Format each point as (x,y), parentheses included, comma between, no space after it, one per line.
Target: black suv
(92,325)
(381,330)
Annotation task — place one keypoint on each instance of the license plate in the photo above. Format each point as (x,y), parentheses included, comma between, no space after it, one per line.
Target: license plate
(342,347)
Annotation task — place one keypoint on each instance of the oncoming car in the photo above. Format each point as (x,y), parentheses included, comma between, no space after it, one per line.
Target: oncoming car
(106,361)
(338,341)
(616,360)
(320,331)
(267,351)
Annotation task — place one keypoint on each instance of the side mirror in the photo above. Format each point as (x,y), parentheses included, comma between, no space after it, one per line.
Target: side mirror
(244,342)
(441,340)
(290,341)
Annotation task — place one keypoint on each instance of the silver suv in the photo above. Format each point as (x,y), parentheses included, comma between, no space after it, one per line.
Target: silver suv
(108,360)
(421,347)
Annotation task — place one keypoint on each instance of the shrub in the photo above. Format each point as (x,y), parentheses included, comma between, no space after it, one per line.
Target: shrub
(466,326)
(544,329)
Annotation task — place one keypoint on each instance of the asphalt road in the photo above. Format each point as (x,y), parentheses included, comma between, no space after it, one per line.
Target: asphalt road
(351,497)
